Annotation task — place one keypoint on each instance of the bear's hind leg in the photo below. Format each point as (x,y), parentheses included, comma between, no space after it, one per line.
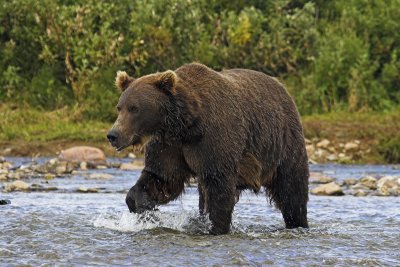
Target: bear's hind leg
(289,191)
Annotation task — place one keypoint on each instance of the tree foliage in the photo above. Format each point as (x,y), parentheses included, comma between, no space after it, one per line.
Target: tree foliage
(332,55)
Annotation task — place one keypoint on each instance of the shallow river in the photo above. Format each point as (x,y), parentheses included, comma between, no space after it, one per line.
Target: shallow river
(66,228)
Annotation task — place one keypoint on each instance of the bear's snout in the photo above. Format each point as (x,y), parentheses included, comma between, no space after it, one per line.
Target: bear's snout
(112,136)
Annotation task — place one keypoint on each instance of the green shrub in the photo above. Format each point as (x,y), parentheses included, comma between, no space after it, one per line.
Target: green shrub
(333,55)
(390,149)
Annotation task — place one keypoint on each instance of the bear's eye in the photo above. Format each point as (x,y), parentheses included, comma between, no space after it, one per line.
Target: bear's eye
(133,109)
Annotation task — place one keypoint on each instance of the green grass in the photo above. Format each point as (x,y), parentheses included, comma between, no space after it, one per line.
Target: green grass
(26,124)
(38,130)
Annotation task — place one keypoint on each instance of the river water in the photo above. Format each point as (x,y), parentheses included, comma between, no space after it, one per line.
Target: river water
(68,228)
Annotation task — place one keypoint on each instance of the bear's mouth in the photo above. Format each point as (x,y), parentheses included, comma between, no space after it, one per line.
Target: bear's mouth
(137,142)
(139,146)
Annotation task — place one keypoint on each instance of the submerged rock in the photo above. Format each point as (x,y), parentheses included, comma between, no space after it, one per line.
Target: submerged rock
(87,190)
(87,154)
(5,202)
(329,189)
(359,193)
(41,188)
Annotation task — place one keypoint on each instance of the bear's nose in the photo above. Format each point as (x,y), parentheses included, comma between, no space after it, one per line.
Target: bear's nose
(112,136)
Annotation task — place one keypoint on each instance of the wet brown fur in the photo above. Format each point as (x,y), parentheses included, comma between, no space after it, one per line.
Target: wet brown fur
(233,130)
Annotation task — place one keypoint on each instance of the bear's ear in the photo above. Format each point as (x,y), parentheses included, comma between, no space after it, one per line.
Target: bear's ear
(122,80)
(167,81)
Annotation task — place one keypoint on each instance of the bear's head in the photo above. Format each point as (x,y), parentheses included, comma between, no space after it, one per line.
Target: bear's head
(141,108)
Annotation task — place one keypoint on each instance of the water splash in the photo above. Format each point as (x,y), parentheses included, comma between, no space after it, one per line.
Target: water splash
(184,221)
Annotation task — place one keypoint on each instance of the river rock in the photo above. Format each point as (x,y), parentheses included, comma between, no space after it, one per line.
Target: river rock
(369,182)
(3,176)
(323,143)
(359,186)
(2,159)
(382,191)
(395,191)
(5,165)
(387,181)
(79,154)
(329,189)
(319,178)
(57,167)
(349,182)
(136,165)
(15,186)
(99,176)
(14,175)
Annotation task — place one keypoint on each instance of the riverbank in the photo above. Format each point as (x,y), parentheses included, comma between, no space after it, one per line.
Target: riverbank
(359,138)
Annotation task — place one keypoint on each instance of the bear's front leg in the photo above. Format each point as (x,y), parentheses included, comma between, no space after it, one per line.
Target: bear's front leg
(151,190)
(220,201)
(138,198)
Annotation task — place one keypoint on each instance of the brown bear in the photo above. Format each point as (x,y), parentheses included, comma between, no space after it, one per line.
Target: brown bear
(233,130)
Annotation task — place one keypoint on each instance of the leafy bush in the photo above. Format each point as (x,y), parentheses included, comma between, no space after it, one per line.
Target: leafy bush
(390,149)
(332,55)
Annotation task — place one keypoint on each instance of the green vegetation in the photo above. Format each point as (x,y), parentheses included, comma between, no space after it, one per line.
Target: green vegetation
(28,125)
(333,55)
(58,59)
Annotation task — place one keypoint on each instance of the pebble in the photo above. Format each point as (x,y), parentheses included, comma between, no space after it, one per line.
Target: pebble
(350,146)
(323,143)
(83,165)
(136,165)
(101,167)
(100,176)
(332,157)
